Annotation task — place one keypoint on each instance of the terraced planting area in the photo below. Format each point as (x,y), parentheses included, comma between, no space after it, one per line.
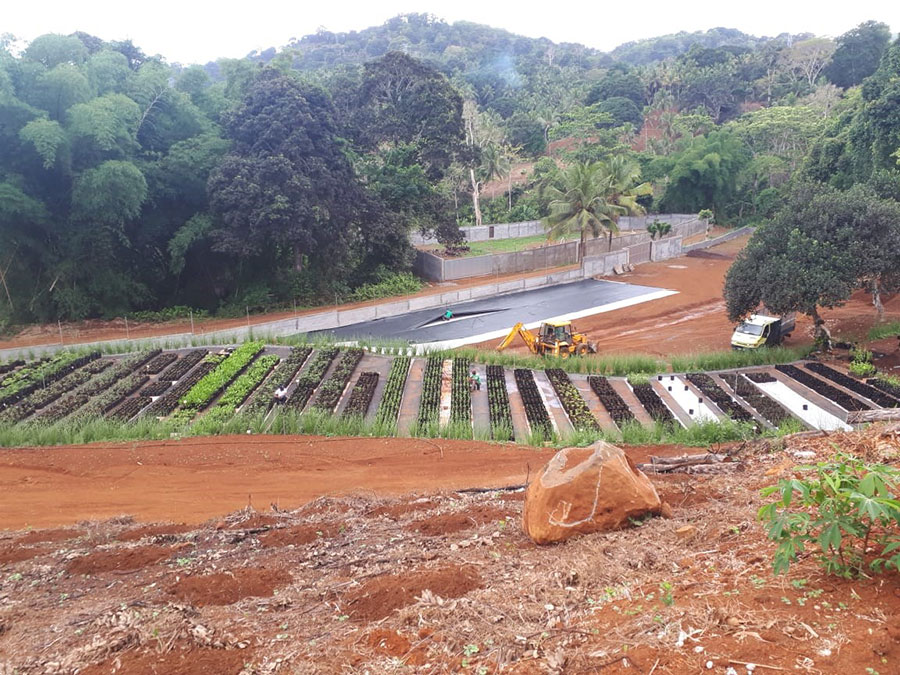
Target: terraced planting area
(212,391)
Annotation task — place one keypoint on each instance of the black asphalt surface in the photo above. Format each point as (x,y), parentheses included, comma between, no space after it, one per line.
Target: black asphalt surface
(488,315)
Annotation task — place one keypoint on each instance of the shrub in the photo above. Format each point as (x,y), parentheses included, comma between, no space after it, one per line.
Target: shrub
(845,508)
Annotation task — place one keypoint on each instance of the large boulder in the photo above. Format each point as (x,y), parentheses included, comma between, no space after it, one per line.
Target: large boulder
(584,490)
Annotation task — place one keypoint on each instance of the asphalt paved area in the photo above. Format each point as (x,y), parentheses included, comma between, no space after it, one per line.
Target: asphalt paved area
(486,316)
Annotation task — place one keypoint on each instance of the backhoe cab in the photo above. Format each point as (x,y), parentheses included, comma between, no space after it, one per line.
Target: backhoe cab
(555,338)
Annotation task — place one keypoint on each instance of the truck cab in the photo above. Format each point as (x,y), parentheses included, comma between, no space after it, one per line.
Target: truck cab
(762,331)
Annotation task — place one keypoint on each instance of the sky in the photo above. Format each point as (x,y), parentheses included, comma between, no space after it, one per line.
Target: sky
(192,31)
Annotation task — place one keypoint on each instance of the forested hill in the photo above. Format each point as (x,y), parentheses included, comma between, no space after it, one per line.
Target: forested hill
(643,52)
(128,183)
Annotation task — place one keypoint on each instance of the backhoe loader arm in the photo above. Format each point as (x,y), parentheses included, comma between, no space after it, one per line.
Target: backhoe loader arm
(518,329)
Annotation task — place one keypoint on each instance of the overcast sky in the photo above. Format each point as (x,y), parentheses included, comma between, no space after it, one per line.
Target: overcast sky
(191,31)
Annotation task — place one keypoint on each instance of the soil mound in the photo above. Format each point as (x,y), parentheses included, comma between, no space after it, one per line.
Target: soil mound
(299,535)
(49,536)
(163,530)
(708,255)
(226,588)
(400,509)
(379,597)
(184,662)
(457,522)
(125,560)
(15,553)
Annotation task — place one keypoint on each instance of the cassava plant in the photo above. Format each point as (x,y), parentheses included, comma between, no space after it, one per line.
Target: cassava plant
(845,510)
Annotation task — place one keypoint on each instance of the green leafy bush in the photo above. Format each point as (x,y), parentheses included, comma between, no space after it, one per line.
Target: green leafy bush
(846,509)
(207,388)
(861,369)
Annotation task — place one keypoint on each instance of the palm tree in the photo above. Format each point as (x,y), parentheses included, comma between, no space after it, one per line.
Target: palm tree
(593,197)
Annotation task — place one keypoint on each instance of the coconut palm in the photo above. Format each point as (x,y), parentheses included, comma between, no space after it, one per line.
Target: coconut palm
(593,197)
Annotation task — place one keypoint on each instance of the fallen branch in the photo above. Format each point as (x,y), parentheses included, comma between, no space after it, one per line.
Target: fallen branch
(481,490)
(885,415)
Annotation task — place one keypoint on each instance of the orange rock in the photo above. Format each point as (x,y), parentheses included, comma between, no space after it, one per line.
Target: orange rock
(666,510)
(584,490)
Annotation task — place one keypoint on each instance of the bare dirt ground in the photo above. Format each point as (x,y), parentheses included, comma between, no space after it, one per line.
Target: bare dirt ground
(441,582)
(695,320)
(194,479)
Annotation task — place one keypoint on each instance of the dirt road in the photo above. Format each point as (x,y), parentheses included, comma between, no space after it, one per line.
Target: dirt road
(195,479)
(695,320)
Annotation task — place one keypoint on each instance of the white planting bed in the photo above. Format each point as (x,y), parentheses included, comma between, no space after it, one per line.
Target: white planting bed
(813,415)
(688,401)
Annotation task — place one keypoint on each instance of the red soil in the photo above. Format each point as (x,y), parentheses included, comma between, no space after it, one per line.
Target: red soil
(226,588)
(695,319)
(49,536)
(299,535)
(119,561)
(379,597)
(177,662)
(195,479)
(14,553)
(449,523)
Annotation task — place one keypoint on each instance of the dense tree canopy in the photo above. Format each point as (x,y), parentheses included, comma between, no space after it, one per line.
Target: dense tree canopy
(297,173)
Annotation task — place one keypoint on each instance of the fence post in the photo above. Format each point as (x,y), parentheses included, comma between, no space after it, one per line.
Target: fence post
(59,325)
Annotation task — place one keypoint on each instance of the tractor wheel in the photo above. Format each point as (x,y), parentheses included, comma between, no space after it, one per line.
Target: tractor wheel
(582,349)
(565,353)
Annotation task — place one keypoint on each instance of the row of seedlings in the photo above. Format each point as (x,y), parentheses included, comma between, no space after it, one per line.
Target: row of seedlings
(173,373)
(498,405)
(871,393)
(131,378)
(46,396)
(843,399)
(214,383)
(392,396)
(311,379)
(884,386)
(166,404)
(572,401)
(11,366)
(104,378)
(774,413)
(609,397)
(332,389)
(159,363)
(652,403)
(22,383)
(535,410)
(264,398)
(430,404)
(238,391)
(93,398)
(362,394)
(726,403)
(460,393)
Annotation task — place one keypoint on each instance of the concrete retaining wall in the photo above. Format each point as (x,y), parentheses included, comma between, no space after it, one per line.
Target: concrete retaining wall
(641,222)
(527,228)
(532,228)
(663,249)
(603,264)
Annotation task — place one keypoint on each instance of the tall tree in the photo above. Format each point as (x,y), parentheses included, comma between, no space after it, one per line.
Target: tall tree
(591,198)
(858,52)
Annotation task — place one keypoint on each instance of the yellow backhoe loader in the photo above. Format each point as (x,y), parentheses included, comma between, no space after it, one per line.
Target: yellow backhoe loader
(556,338)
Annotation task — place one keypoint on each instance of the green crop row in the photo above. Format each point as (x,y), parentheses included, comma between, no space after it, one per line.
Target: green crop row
(331,390)
(572,400)
(430,404)
(21,383)
(284,372)
(244,385)
(392,396)
(308,382)
(208,387)
(461,393)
